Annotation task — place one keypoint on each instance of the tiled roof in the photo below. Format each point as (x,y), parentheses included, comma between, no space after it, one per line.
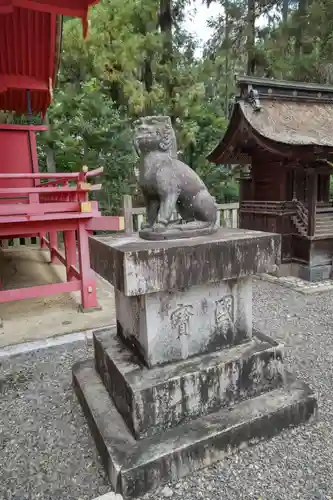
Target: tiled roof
(296,123)
(289,120)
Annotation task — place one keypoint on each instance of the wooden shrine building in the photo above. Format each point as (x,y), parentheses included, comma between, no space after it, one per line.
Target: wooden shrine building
(282,133)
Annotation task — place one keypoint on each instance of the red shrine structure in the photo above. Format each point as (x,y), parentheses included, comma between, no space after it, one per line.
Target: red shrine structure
(281,132)
(33,203)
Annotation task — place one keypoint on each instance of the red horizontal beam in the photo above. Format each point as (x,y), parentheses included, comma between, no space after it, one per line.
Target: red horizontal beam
(51,190)
(96,171)
(59,177)
(39,208)
(20,227)
(22,82)
(74,175)
(39,291)
(43,221)
(106,223)
(27,128)
(75,8)
(13,236)
(63,179)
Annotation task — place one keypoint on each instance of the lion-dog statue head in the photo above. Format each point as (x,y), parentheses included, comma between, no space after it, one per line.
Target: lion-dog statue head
(154,133)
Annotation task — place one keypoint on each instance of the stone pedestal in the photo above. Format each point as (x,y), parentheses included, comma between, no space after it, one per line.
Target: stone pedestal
(169,326)
(183,378)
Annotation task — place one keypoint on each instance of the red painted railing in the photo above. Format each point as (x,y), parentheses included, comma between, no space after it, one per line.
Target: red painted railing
(59,205)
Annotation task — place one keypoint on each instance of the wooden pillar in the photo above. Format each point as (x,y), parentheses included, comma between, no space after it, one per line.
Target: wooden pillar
(54,244)
(253,187)
(312,181)
(88,280)
(293,184)
(70,252)
(128,216)
(325,187)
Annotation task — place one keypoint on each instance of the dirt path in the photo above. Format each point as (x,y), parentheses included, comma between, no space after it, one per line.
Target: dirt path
(35,319)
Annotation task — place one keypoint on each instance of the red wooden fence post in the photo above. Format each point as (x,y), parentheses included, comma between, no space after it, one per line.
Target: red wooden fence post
(54,244)
(42,242)
(88,281)
(70,252)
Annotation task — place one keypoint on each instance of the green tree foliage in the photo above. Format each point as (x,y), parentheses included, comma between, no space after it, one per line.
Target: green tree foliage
(140,60)
(137,60)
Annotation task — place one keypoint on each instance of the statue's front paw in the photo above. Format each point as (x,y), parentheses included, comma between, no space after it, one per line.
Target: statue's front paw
(159,227)
(145,226)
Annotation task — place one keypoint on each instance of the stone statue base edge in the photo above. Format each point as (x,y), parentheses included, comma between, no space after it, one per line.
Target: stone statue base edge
(135,466)
(181,232)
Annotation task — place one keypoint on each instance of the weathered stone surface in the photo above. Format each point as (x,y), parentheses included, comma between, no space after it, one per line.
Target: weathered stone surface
(99,410)
(165,327)
(178,232)
(182,379)
(152,400)
(135,467)
(137,267)
(168,184)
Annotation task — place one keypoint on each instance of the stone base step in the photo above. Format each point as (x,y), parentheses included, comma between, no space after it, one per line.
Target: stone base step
(155,399)
(134,467)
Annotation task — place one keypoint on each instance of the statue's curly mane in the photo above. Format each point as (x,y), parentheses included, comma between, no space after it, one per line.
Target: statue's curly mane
(168,140)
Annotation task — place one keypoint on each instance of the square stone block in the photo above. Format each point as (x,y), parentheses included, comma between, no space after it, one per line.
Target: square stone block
(165,327)
(153,400)
(137,267)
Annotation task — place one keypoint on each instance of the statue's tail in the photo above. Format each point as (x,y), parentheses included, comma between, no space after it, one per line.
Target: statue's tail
(180,231)
(197,226)
(204,206)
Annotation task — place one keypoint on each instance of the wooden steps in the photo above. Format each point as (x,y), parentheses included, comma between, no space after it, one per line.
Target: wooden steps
(324,223)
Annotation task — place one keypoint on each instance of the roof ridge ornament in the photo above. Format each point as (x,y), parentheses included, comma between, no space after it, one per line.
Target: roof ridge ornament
(253,98)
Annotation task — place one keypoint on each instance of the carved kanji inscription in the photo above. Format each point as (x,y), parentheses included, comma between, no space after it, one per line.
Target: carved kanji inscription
(180,318)
(224,312)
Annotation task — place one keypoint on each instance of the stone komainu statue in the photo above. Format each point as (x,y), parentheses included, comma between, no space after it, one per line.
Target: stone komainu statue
(168,184)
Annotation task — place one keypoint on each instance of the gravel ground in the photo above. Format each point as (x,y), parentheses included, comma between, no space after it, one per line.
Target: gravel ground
(47,451)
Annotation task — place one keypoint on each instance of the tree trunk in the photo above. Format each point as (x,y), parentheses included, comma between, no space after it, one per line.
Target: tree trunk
(165,23)
(302,4)
(285,9)
(226,62)
(250,42)
(147,76)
